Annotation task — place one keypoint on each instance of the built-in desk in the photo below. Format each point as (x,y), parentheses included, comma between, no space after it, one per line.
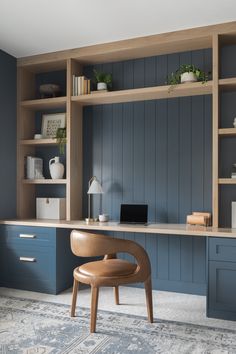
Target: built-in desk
(199,260)
(114,226)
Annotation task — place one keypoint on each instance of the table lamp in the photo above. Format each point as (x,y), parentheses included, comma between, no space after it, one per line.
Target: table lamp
(94,187)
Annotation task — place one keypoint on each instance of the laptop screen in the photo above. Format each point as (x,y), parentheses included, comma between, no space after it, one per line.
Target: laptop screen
(133,213)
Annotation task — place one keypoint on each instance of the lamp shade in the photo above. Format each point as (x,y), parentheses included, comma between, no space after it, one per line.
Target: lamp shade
(95,187)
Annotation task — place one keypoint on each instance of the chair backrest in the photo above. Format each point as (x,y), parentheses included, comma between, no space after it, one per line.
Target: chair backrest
(86,244)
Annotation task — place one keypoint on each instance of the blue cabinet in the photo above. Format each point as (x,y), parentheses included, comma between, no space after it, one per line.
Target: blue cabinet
(221,299)
(36,258)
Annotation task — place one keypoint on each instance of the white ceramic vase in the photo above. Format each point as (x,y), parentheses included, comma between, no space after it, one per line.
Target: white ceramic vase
(101,86)
(188,77)
(56,168)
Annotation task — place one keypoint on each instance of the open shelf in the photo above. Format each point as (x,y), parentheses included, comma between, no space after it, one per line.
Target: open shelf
(227,181)
(144,94)
(227,131)
(227,84)
(44,181)
(39,142)
(45,103)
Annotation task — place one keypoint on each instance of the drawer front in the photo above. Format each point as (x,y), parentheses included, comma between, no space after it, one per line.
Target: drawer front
(28,236)
(222,249)
(29,264)
(222,286)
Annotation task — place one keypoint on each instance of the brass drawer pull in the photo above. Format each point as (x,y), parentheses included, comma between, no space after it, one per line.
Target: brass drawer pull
(27,259)
(27,236)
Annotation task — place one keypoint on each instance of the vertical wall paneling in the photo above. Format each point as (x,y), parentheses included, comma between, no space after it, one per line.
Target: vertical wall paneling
(159,153)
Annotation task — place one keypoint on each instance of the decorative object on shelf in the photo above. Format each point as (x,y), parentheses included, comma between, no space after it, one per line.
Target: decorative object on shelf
(49,90)
(199,218)
(38,136)
(233,171)
(81,85)
(51,208)
(103,80)
(103,217)
(187,73)
(51,122)
(94,187)
(234,123)
(34,167)
(61,139)
(56,168)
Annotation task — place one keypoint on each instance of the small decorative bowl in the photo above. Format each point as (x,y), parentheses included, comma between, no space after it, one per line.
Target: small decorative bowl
(49,90)
(103,217)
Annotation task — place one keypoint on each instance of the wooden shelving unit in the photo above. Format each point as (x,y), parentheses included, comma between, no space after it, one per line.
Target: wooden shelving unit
(144,94)
(38,142)
(227,84)
(227,180)
(45,103)
(73,61)
(44,181)
(227,131)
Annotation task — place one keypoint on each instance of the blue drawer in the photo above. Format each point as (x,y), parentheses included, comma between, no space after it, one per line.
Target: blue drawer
(29,264)
(222,249)
(28,236)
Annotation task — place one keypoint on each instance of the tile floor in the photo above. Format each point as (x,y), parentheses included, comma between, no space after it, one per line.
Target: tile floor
(167,305)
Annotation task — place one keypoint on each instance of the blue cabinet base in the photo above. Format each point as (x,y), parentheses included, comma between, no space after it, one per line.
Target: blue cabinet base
(36,259)
(223,315)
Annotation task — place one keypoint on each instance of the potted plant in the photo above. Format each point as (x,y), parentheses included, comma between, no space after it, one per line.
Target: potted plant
(103,80)
(187,73)
(61,139)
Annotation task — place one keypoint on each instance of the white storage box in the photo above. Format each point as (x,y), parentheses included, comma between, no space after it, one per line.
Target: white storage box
(51,208)
(233,218)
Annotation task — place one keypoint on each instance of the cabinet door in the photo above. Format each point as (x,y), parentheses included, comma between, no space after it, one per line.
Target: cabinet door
(222,290)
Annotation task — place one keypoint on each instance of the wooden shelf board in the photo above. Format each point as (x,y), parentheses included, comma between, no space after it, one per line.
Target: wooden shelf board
(227,181)
(45,103)
(39,142)
(44,181)
(144,94)
(227,84)
(227,131)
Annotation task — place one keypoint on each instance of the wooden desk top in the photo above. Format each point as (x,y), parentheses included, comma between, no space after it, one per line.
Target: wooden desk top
(167,229)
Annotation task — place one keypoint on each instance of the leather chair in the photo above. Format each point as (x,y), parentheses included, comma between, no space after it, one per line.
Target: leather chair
(110,271)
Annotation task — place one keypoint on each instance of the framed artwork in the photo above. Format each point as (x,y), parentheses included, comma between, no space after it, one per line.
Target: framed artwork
(50,124)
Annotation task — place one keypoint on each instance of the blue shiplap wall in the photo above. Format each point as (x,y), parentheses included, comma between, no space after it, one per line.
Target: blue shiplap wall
(7,136)
(155,152)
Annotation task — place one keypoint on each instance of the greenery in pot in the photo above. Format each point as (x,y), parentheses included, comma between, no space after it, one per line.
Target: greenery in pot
(103,77)
(61,140)
(175,78)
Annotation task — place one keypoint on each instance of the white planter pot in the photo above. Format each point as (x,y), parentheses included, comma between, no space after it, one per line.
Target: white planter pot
(188,77)
(101,86)
(56,168)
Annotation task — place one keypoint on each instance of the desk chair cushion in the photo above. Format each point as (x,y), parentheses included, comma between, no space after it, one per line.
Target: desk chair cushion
(107,268)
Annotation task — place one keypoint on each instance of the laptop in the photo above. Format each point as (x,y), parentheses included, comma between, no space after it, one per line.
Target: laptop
(134,214)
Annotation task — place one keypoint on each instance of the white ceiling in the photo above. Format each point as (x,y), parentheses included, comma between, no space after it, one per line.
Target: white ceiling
(29,27)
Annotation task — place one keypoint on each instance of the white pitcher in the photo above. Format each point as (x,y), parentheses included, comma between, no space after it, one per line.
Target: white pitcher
(56,168)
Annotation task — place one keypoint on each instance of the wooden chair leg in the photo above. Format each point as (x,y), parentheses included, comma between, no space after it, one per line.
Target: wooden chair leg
(116,293)
(94,306)
(74,297)
(148,291)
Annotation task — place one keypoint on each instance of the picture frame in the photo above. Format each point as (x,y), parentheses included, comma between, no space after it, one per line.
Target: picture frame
(51,122)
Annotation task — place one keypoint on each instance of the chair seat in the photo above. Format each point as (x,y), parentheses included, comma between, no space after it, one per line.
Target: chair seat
(107,268)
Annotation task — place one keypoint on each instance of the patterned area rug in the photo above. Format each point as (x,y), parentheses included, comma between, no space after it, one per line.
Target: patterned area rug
(29,326)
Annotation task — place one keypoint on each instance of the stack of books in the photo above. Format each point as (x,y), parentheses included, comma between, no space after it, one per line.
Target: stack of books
(81,85)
